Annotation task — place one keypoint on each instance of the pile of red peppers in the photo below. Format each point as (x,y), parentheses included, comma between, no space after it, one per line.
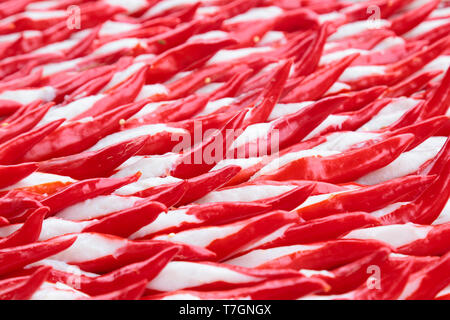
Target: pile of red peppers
(224,149)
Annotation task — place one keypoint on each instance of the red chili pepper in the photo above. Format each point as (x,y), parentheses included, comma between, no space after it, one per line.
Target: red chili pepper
(313,86)
(365,40)
(92,164)
(129,252)
(232,87)
(8,107)
(361,11)
(434,35)
(18,257)
(168,194)
(293,20)
(358,118)
(133,273)
(283,289)
(421,130)
(9,175)
(91,87)
(295,127)
(183,57)
(68,84)
(195,161)
(346,166)
(394,280)
(29,232)
(411,84)
(164,41)
(126,222)
(438,103)
(318,256)
(235,236)
(15,148)
(322,229)
(84,46)
(248,34)
(24,289)
(367,198)
(412,18)
(434,244)
(430,280)
(427,207)
(354,274)
(119,95)
(25,122)
(199,186)
(24,82)
(400,70)
(76,137)
(265,103)
(196,80)
(311,57)
(16,202)
(171,112)
(86,189)
(436,165)
(218,213)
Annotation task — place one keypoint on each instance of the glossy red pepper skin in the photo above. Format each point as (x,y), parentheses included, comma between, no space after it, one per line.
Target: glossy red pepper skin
(76,137)
(313,86)
(432,279)
(24,289)
(18,257)
(24,82)
(15,148)
(358,118)
(135,251)
(310,60)
(322,229)
(405,22)
(435,166)
(83,190)
(422,130)
(295,127)
(9,175)
(16,203)
(265,103)
(67,84)
(198,187)
(411,84)
(92,164)
(344,167)
(438,103)
(366,199)
(330,255)
(8,107)
(178,110)
(428,206)
(354,274)
(126,222)
(283,289)
(122,277)
(360,11)
(435,243)
(196,161)
(183,57)
(212,214)
(123,93)
(25,122)
(29,232)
